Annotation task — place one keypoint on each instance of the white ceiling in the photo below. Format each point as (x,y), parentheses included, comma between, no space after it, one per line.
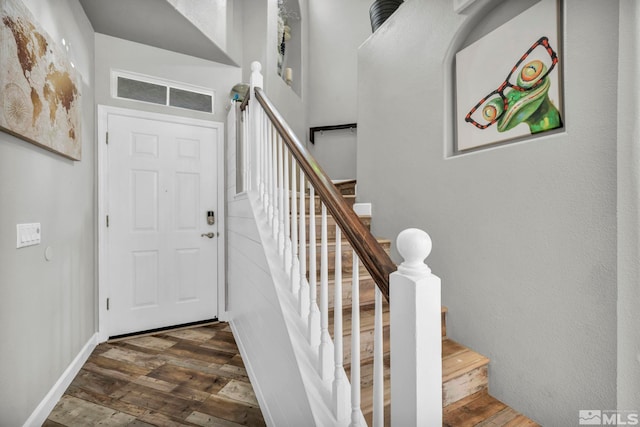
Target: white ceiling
(155,23)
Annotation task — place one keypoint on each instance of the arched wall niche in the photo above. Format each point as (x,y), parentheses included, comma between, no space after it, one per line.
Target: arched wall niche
(290,44)
(481,17)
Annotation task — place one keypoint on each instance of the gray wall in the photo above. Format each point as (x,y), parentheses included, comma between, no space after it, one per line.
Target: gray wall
(628,216)
(47,309)
(336,29)
(119,54)
(524,235)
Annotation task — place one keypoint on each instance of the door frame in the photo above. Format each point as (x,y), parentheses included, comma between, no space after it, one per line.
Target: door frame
(103,285)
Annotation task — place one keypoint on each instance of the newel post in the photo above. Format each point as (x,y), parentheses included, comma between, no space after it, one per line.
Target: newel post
(416,341)
(255,156)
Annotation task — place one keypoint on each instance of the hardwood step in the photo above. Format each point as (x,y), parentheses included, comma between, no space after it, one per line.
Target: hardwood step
(464,372)
(347,256)
(350,199)
(367,297)
(331,227)
(481,409)
(367,292)
(457,362)
(367,319)
(346,187)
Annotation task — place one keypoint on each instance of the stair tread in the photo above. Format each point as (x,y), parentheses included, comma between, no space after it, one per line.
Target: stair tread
(482,409)
(330,217)
(346,196)
(458,360)
(367,319)
(383,241)
(478,409)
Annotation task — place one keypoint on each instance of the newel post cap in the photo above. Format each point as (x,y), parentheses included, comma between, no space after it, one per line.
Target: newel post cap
(256,76)
(414,246)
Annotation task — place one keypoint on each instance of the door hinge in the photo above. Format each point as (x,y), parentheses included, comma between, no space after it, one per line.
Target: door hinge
(107,303)
(107,138)
(107,221)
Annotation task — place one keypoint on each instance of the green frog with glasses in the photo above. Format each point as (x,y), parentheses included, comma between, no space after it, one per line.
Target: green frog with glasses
(523,97)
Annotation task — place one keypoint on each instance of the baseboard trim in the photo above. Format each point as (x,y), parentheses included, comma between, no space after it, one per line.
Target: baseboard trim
(40,414)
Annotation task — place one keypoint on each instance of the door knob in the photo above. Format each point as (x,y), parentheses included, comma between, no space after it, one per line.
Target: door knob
(209,235)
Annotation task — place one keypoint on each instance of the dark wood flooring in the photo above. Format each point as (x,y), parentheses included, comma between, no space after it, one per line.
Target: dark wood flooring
(185,377)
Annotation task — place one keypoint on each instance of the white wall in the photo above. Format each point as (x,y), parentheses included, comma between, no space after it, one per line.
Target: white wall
(47,308)
(336,29)
(120,54)
(524,236)
(628,216)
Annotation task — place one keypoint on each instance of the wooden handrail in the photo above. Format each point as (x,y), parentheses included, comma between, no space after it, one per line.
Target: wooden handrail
(245,101)
(371,253)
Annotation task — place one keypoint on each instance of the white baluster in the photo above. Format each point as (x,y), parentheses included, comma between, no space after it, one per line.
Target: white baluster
(295,264)
(324,350)
(286,210)
(256,81)
(314,313)
(258,148)
(378,363)
(340,387)
(416,341)
(355,343)
(274,184)
(245,149)
(268,173)
(281,190)
(263,160)
(303,290)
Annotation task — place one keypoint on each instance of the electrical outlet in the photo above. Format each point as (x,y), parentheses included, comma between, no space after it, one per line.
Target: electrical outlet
(28,234)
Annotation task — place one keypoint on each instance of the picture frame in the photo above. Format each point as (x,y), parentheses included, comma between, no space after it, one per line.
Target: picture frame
(40,96)
(509,82)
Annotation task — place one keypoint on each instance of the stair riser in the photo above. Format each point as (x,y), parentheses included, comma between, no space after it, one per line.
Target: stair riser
(347,188)
(318,207)
(366,345)
(347,258)
(331,228)
(367,292)
(363,330)
(465,385)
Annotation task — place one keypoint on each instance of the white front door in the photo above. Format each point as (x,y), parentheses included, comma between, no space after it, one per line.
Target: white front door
(161,251)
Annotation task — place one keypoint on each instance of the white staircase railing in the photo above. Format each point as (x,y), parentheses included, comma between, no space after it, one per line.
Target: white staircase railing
(280,170)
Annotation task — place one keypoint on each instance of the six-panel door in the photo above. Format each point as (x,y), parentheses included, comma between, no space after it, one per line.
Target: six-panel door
(162,261)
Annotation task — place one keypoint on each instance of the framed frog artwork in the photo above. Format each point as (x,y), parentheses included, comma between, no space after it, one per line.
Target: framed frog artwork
(509,83)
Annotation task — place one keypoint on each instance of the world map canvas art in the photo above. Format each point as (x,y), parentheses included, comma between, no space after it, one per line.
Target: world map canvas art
(40,94)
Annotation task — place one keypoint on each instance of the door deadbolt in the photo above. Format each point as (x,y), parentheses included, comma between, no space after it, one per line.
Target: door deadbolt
(211,217)
(209,235)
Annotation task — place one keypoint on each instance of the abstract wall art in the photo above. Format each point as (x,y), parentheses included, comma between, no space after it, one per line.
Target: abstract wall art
(39,86)
(508,83)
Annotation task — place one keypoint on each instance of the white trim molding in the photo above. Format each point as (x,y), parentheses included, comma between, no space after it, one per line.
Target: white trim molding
(42,411)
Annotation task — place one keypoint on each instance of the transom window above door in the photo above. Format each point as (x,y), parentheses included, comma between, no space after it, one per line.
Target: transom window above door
(154,90)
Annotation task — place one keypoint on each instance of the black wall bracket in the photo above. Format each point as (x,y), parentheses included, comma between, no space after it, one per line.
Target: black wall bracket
(313,130)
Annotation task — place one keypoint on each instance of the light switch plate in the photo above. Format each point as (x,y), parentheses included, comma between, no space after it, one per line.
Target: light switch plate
(28,234)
